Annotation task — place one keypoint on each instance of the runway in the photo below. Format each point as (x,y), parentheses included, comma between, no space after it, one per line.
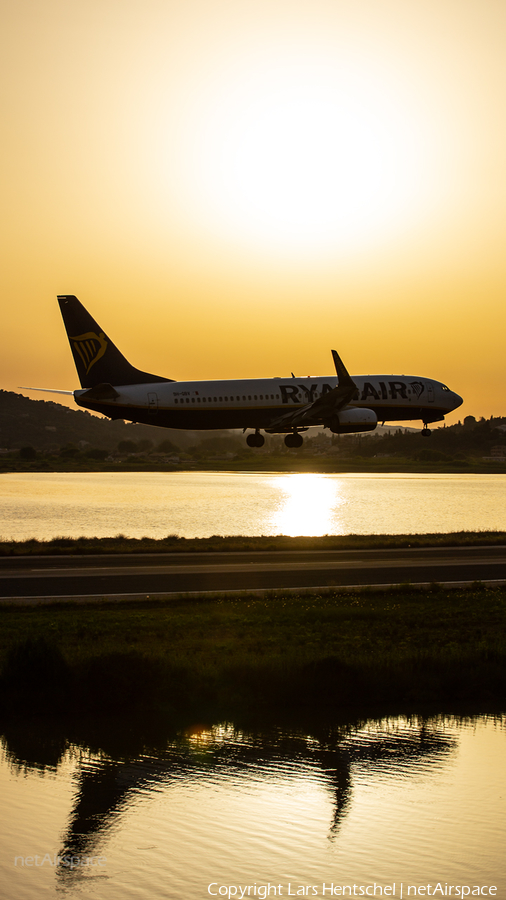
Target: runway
(35,578)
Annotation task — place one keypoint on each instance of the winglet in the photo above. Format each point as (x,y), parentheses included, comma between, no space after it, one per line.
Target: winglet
(345,379)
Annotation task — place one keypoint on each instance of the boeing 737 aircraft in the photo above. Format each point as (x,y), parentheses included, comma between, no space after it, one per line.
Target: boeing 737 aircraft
(345,405)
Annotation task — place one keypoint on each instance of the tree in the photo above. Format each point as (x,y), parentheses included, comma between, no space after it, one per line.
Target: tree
(96,453)
(128,447)
(167,447)
(28,452)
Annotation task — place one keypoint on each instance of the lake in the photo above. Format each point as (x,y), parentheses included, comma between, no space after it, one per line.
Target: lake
(404,802)
(201,504)
(383,808)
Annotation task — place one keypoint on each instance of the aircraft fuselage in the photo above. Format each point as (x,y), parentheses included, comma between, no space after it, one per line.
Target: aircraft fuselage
(256,403)
(345,405)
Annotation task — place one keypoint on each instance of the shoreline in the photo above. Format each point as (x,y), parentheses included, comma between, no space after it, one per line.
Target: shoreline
(265,464)
(296,653)
(120,544)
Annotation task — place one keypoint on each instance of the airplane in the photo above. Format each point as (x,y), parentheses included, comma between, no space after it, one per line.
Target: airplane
(112,386)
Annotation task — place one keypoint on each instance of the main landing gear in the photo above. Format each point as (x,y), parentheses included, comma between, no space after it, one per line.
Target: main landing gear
(293,440)
(255,440)
(425,432)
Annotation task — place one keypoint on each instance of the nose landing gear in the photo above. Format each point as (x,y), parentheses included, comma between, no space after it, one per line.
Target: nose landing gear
(255,440)
(425,432)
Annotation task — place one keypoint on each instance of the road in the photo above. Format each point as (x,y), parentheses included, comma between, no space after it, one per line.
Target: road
(175,573)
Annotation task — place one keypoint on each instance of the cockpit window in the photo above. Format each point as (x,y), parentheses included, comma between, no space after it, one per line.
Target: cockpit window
(444,388)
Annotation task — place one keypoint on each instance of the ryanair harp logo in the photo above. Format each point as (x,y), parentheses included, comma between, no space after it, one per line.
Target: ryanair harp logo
(90,347)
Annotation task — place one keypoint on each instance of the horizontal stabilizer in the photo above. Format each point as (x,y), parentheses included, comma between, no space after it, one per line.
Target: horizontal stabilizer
(46,390)
(100,392)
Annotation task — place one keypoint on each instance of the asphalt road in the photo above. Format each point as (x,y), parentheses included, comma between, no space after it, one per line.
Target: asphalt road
(174,573)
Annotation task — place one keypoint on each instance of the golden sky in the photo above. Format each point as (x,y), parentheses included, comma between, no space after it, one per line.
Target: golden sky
(233,187)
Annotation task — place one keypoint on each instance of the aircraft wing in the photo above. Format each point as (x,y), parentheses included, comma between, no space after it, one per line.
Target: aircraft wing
(323,407)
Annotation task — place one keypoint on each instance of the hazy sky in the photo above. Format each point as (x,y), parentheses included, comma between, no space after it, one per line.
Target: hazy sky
(233,187)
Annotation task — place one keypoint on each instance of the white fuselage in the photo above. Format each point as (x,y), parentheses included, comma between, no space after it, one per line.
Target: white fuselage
(255,403)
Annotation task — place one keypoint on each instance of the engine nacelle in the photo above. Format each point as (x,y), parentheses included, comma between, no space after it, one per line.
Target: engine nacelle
(352,421)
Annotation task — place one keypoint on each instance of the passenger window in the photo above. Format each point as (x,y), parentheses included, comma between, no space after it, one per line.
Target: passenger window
(255,397)
(249,398)
(193,399)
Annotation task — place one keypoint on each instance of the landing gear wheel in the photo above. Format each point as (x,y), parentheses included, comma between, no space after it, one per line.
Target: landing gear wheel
(426,432)
(293,440)
(255,440)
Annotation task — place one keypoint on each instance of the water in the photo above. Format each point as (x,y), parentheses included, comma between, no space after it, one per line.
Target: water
(382,802)
(200,504)
(215,809)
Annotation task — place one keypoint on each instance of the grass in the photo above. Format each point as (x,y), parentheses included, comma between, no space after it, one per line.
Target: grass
(293,461)
(61,546)
(396,650)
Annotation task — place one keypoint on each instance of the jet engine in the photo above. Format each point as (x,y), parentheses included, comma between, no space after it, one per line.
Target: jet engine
(352,421)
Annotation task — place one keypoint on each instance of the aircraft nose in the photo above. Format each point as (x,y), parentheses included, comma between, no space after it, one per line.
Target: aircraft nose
(457,400)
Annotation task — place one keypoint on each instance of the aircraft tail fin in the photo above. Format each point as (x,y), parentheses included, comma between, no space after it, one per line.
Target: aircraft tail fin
(97,359)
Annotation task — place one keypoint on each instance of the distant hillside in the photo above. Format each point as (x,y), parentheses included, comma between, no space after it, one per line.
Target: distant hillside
(468,439)
(46,425)
(49,426)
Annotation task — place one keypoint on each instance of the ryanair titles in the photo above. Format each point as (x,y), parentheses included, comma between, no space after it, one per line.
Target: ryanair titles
(382,390)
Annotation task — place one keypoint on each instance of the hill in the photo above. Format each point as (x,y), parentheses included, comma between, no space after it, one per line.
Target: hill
(46,425)
(37,427)
(471,439)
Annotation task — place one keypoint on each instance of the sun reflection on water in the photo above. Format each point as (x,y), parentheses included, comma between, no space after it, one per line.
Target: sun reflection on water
(204,736)
(308,505)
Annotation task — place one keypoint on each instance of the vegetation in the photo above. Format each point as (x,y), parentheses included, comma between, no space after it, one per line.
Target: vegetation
(62,546)
(37,435)
(47,427)
(397,650)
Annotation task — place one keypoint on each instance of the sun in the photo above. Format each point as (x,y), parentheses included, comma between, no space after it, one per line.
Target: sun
(303,159)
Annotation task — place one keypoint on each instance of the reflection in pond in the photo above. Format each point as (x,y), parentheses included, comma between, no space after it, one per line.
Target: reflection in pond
(376,801)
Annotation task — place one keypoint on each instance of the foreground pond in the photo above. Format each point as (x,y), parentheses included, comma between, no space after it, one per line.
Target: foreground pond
(201,504)
(397,801)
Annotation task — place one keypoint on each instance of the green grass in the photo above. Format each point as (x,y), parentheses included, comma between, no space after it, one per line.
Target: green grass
(399,648)
(174,543)
(295,461)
